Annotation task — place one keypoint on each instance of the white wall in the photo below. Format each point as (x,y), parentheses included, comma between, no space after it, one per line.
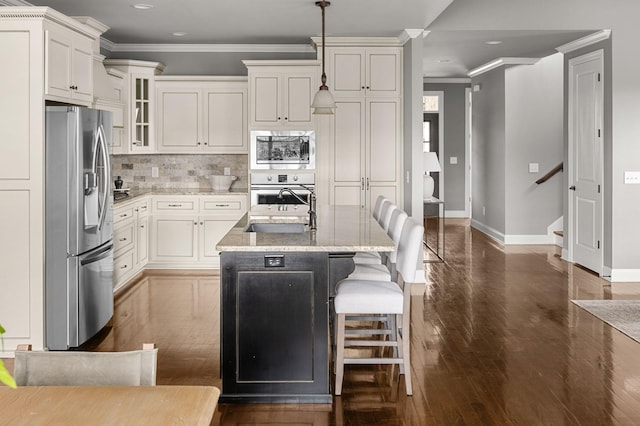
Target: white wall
(534,134)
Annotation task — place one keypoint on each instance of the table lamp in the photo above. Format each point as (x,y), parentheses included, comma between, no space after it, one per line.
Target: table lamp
(430,164)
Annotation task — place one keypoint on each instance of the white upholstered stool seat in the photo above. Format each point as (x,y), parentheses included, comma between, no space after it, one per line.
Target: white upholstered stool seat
(381,297)
(369,271)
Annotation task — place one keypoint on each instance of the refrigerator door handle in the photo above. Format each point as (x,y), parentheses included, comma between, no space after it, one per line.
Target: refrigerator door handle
(101,254)
(106,174)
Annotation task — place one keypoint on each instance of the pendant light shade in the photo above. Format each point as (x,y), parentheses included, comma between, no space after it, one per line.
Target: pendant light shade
(323,102)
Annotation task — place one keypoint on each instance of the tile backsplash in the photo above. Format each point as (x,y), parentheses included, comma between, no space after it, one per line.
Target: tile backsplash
(179,171)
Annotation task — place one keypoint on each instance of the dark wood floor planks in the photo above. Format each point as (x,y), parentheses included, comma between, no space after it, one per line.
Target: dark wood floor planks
(495,340)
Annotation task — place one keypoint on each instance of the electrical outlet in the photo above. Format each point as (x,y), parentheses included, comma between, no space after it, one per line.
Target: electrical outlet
(227,171)
(408,179)
(483,211)
(534,167)
(154,171)
(631,177)
(453,160)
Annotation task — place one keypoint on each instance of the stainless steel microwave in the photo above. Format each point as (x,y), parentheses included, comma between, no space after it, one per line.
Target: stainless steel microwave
(283,149)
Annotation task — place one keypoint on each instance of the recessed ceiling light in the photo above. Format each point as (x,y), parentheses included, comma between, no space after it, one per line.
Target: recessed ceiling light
(142,6)
(493,42)
(179,34)
(443,61)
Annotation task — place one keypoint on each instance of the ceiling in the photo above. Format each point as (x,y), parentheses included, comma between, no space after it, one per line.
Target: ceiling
(446,53)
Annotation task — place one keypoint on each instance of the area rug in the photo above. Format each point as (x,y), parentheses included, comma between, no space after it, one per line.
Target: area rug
(623,315)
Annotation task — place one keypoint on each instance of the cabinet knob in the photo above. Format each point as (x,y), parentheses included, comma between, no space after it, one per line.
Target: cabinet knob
(362,87)
(206,143)
(201,223)
(367,87)
(286,118)
(195,223)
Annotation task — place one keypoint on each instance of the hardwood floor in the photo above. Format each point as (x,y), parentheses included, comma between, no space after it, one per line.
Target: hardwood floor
(495,340)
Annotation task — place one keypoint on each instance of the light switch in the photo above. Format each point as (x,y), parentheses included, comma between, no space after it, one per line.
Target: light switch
(227,171)
(534,167)
(154,171)
(631,177)
(453,160)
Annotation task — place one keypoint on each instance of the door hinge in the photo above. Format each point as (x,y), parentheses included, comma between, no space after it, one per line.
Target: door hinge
(598,189)
(598,132)
(598,76)
(598,244)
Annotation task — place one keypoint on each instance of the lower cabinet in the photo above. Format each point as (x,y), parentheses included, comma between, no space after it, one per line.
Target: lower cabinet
(275,327)
(130,239)
(186,229)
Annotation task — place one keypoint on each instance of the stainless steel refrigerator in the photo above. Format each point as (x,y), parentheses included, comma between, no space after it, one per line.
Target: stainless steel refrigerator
(78,225)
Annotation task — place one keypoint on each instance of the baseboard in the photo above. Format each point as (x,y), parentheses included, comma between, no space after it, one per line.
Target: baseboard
(489,231)
(621,275)
(512,239)
(456,214)
(529,239)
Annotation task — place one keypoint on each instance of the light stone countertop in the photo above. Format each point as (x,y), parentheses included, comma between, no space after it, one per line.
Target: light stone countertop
(133,195)
(340,229)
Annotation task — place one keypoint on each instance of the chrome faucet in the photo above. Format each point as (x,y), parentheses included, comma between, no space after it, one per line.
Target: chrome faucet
(311,203)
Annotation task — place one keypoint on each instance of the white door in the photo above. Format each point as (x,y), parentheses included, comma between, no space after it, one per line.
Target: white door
(585,159)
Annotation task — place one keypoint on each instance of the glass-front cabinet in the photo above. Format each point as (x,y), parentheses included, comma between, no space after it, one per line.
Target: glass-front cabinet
(139,125)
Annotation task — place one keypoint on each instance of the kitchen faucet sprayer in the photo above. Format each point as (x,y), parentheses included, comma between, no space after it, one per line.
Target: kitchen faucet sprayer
(313,225)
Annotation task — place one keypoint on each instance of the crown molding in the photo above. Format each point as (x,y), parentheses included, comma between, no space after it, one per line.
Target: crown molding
(206,48)
(356,41)
(408,34)
(501,62)
(441,80)
(584,41)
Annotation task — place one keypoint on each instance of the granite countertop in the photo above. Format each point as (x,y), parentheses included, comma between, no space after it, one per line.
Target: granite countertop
(340,229)
(178,191)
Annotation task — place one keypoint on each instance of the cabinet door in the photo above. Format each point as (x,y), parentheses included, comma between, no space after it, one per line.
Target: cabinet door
(384,162)
(225,121)
(179,112)
(265,99)
(383,72)
(142,242)
(174,239)
(141,113)
(347,152)
(82,70)
(211,232)
(299,92)
(346,73)
(58,58)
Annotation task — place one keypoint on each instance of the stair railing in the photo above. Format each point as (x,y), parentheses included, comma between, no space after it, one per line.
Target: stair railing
(552,172)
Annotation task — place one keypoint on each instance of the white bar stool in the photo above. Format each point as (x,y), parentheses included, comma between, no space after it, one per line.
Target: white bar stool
(368,297)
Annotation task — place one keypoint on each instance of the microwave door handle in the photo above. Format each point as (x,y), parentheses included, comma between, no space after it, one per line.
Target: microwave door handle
(106,174)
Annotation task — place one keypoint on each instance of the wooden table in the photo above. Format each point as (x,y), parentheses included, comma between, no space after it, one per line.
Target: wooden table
(112,405)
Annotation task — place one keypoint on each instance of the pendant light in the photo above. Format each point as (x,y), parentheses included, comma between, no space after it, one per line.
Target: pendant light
(323,102)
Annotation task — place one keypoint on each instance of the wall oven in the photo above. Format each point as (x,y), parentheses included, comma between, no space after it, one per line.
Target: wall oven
(283,149)
(265,188)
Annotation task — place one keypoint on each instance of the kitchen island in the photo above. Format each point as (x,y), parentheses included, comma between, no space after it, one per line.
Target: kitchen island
(275,289)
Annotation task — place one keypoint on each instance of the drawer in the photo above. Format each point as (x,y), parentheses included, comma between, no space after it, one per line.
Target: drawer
(122,265)
(143,208)
(222,205)
(123,213)
(123,237)
(175,206)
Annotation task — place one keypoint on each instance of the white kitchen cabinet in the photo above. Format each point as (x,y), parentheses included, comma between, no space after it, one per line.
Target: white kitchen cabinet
(198,114)
(139,98)
(281,92)
(185,229)
(130,239)
(365,150)
(69,66)
(23,92)
(364,71)
(364,136)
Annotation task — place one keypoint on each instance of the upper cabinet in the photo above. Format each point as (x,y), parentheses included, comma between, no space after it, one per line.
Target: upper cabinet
(201,115)
(69,65)
(281,92)
(140,101)
(370,69)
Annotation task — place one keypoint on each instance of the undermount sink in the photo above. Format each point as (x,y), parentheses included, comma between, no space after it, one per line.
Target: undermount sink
(281,228)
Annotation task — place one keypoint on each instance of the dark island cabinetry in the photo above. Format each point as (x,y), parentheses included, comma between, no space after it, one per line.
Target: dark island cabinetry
(275,327)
